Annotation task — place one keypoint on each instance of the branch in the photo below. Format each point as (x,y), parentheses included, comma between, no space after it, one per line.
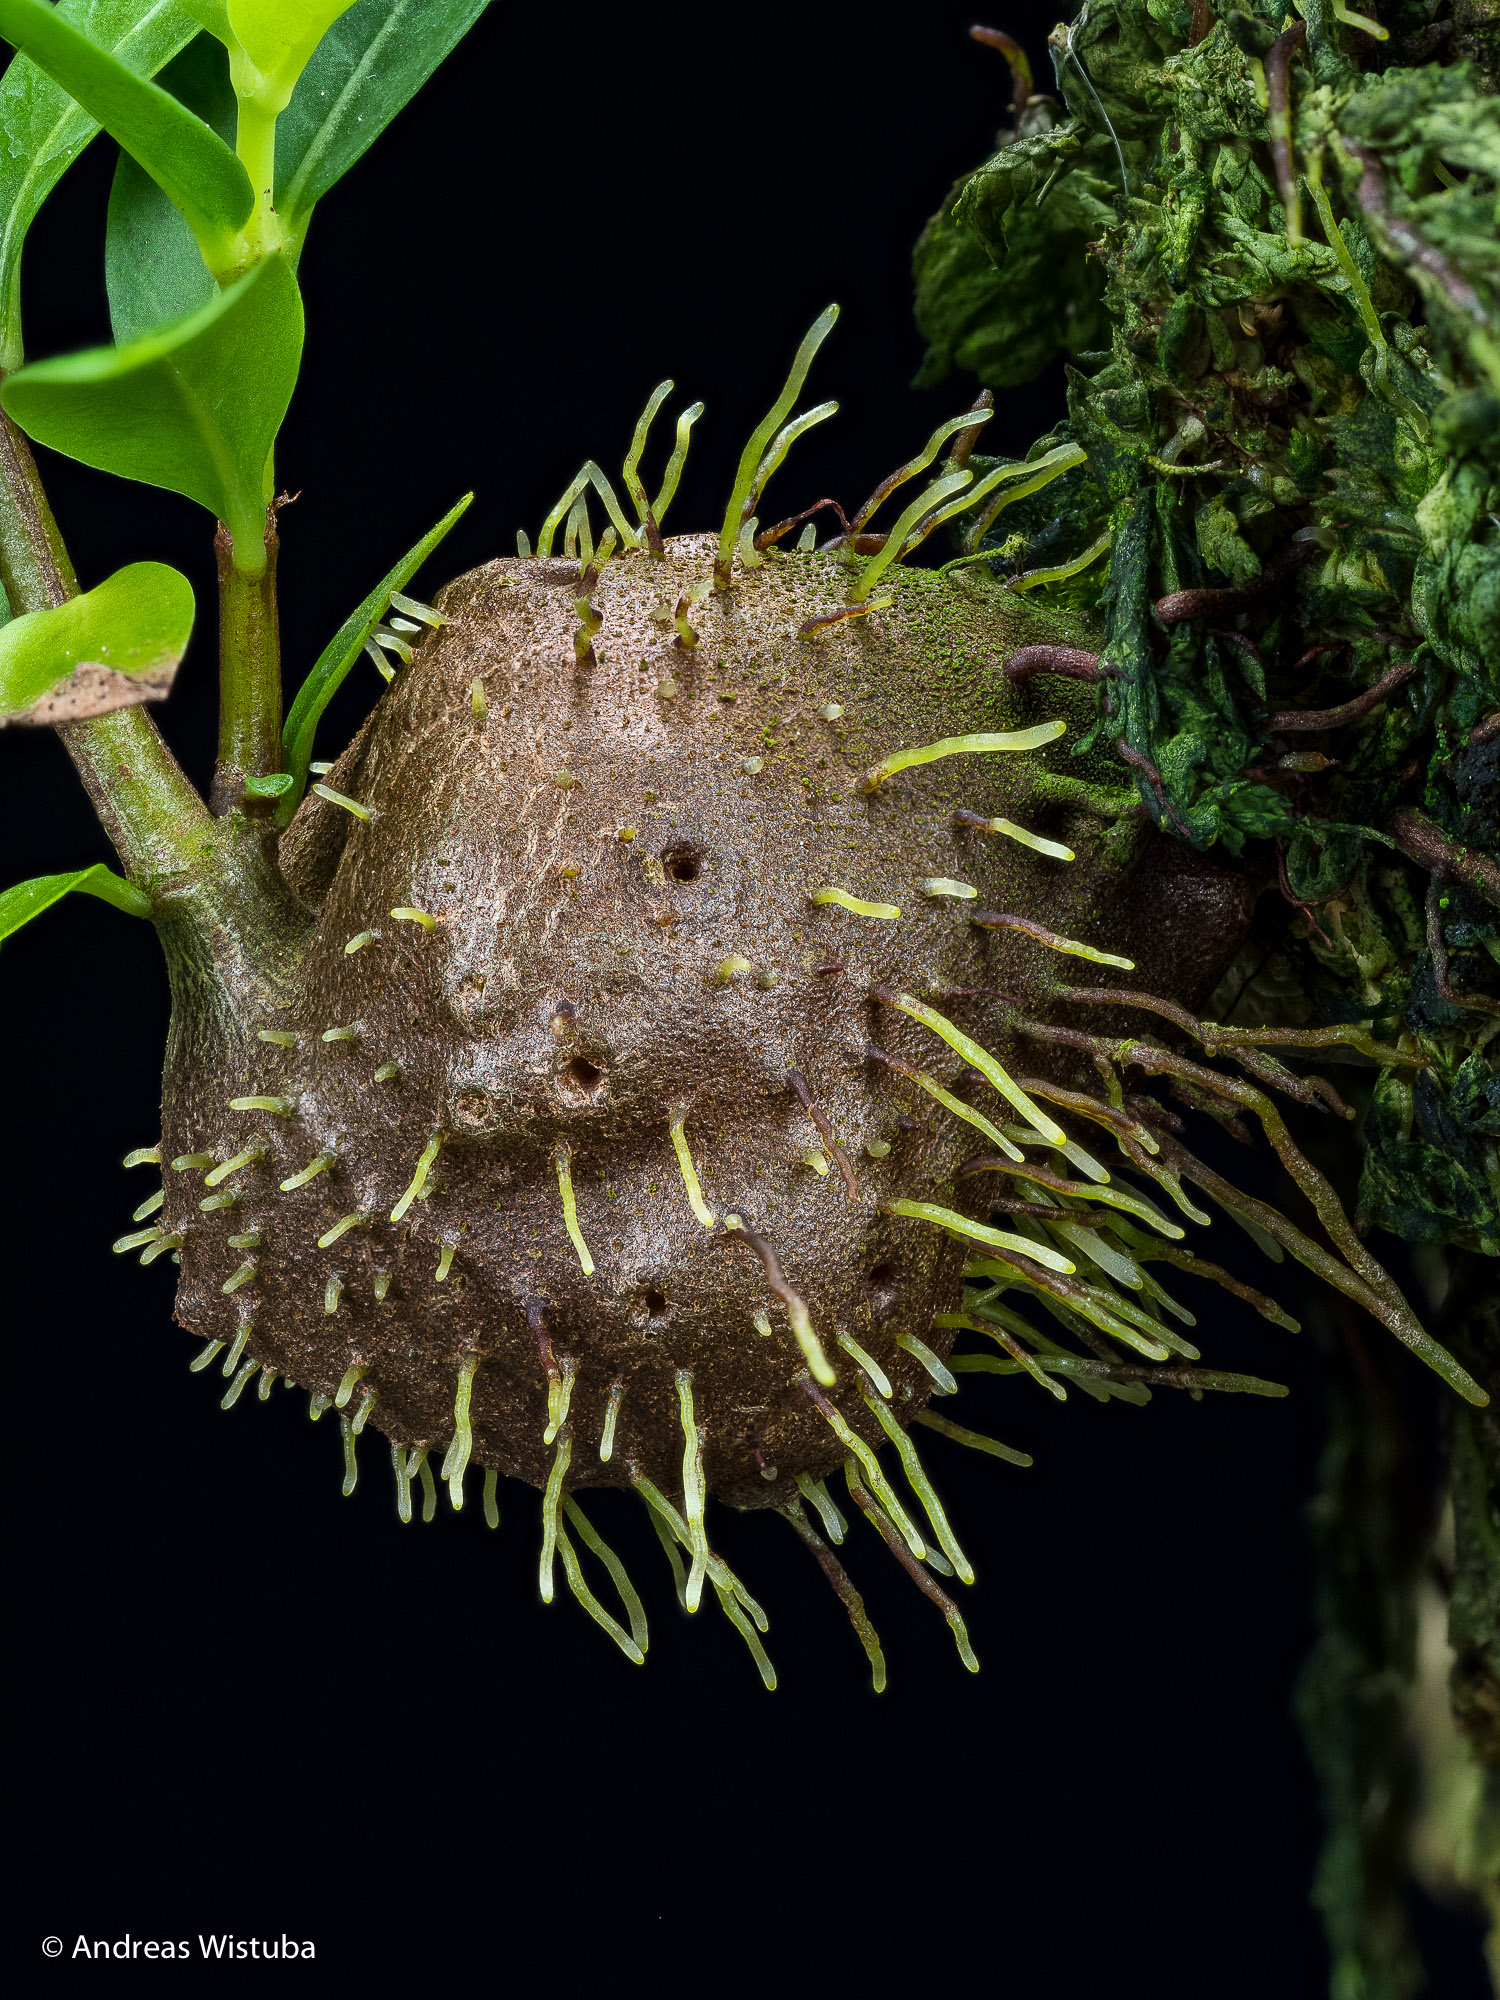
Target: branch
(1426,844)
(136,786)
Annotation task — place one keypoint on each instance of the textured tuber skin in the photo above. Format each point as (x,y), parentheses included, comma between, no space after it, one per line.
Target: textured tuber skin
(598,860)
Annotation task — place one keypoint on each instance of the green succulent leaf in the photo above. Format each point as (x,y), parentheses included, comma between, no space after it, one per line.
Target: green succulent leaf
(153,269)
(371,62)
(115,646)
(194,408)
(191,164)
(43,129)
(339,655)
(28,899)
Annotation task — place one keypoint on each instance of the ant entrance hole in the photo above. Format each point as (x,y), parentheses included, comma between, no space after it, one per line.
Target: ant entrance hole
(885,1281)
(654,1301)
(684,861)
(581,1082)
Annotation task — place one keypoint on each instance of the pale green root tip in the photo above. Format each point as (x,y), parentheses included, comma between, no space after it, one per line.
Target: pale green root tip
(342,1227)
(855,904)
(689,1172)
(925,503)
(817,1496)
(1052,848)
(1032,579)
(563,1158)
(232,1393)
(550,1499)
(634,1609)
(590,1603)
(921,1485)
(750,458)
(319,1164)
(673,473)
(559,1396)
(346,1387)
(974,1439)
(879,1484)
(1031,478)
(1346,14)
(983,1061)
(980,1232)
(233,1166)
(456,1460)
(872,1368)
(419,1179)
(982,742)
(748,1633)
(338,799)
(134,1241)
(692,1488)
(611,1418)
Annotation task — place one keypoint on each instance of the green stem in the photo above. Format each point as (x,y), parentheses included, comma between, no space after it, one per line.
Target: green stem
(255,143)
(33,561)
(249,673)
(159,825)
(145,803)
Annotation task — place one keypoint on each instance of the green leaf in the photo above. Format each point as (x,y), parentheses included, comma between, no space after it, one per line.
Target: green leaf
(153,269)
(194,408)
(43,130)
(339,655)
(274,785)
(367,66)
(114,646)
(28,899)
(190,163)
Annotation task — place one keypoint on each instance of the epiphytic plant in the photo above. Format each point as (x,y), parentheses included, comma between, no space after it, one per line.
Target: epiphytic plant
(580,1079)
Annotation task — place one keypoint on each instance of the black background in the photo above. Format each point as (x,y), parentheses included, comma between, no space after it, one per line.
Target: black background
(257,1707)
